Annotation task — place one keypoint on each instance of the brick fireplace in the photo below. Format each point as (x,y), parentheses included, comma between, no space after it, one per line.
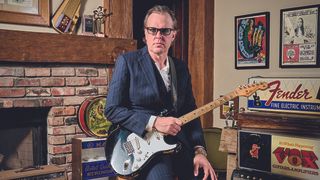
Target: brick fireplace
(61,89)
(54,74)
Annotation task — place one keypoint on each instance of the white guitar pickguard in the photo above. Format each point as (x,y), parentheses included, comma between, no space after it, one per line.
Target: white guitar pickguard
(145,148)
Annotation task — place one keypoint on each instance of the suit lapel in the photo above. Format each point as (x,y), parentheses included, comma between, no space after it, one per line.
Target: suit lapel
(174,92)
(145,62)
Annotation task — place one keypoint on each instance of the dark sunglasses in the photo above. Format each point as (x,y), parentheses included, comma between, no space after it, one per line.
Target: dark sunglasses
(163,31)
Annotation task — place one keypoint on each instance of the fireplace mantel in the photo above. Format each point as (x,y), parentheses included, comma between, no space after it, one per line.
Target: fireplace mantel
(33,47)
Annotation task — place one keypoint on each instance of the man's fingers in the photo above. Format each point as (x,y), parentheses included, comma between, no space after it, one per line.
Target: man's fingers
(213,175)
(205,174)
(196,170)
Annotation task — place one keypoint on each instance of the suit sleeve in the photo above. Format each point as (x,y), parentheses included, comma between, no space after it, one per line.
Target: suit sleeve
(118,102)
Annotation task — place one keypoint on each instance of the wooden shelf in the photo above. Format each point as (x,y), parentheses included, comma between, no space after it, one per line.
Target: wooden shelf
(33,47)
(294,123)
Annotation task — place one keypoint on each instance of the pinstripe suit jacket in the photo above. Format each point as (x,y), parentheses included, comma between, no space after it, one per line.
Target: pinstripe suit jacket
(133,96)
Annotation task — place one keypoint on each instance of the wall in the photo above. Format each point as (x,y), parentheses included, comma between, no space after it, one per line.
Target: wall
(226,77)
(87,7)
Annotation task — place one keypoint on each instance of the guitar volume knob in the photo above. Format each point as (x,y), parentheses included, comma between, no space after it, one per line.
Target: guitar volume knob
(125,165)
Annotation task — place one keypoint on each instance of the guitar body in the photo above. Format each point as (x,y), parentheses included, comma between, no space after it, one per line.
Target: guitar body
(128,153)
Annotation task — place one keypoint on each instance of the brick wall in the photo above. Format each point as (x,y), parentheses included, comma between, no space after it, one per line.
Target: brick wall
(63,89)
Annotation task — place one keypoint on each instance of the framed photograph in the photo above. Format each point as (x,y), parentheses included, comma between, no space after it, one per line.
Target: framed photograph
(25,12)
(252,41)
(87,25)
(299,37)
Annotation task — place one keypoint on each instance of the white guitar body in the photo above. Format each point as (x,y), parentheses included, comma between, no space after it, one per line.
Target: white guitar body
(132,152)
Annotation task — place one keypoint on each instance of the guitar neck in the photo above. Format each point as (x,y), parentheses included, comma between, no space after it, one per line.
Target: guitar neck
(208,107)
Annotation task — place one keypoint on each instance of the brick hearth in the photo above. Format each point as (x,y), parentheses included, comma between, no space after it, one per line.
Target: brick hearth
(62,88)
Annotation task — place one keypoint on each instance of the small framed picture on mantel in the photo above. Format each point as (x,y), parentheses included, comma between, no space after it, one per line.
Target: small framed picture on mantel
(87,25)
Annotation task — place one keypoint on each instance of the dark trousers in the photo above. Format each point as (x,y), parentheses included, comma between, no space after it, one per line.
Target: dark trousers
(168,167)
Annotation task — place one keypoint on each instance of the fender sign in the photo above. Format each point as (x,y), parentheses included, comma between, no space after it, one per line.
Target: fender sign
(296,95)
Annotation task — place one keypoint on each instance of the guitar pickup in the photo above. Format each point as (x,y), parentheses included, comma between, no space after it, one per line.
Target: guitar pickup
(128,147)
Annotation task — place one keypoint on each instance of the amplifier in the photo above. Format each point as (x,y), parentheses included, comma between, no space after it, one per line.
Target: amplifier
(242,174)
(278,153)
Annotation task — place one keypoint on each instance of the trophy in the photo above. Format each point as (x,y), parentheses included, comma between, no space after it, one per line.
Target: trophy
(98,20)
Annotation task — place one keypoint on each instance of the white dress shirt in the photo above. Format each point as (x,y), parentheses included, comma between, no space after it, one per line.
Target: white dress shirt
(165,74)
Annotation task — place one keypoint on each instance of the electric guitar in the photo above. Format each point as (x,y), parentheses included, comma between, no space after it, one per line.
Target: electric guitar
(128,153)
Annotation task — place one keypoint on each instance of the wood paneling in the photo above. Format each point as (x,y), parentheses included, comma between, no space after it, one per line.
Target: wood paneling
(19,46)
(119,24)
(200,53)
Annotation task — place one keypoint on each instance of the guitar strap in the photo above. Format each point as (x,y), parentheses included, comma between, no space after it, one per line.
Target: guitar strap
(174,92)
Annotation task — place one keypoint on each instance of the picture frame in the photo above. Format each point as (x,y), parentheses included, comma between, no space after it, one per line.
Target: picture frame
(299,40)
(25,12)
(252,41)
(87,25)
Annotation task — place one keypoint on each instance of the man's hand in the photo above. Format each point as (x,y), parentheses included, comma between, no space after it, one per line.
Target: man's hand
(168,125)
(200,161)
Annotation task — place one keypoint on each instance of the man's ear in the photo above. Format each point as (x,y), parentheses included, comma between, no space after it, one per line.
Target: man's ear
(174,34)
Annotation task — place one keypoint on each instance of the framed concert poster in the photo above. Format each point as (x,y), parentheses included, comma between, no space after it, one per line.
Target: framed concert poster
(299,37)
(26,12)
(252,41)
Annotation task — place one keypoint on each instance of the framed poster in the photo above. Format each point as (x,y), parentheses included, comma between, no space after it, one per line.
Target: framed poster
(26,12)
(299,29)
(252,41)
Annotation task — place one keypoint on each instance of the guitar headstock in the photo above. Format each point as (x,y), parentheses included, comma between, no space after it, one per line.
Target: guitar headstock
(249,89)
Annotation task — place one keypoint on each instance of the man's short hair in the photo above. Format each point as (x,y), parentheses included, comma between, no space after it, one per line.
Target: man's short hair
(161,10)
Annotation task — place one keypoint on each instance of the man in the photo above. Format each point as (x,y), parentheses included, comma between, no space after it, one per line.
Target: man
(145,83)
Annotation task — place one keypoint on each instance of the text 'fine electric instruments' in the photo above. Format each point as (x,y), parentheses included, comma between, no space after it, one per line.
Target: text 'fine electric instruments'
(128,153)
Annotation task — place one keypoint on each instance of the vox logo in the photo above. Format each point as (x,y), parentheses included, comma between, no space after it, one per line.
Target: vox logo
(295,157)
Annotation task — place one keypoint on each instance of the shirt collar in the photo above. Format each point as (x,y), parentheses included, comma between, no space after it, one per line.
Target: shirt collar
(165,68)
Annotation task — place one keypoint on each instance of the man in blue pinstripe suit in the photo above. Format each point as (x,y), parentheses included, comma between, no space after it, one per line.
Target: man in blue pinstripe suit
(146,82)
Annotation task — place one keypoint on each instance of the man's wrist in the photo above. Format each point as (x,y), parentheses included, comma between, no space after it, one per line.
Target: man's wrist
(200,150)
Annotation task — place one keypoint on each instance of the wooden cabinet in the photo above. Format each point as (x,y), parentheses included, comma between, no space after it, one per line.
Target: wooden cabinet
(280,122)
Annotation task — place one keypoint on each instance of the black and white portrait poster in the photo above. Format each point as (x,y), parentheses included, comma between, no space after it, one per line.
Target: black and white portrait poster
(299,34)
